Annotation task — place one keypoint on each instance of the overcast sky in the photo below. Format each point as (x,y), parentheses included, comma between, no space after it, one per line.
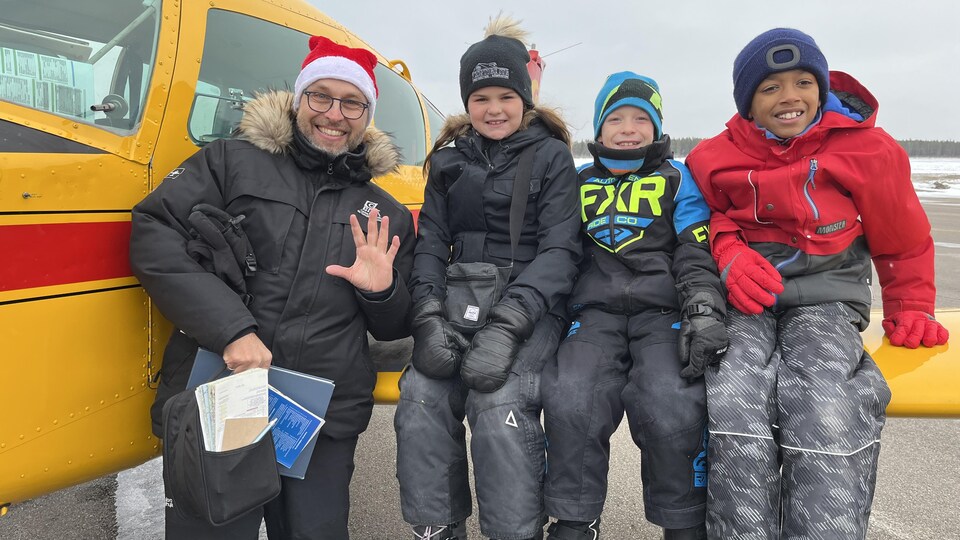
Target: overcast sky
(906,52)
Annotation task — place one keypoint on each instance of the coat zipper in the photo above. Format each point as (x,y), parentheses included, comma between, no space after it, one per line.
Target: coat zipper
(611,214)
(779,267)
(810,183)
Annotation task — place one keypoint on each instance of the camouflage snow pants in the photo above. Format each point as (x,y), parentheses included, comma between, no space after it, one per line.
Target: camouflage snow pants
(795,412)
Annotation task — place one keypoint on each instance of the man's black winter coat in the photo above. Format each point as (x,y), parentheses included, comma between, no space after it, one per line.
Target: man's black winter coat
(296,204)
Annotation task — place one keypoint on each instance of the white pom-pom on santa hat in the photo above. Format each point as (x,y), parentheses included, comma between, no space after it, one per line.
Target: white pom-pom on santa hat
(329,60)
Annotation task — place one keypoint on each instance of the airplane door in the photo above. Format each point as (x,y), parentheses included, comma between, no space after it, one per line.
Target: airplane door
(73,339)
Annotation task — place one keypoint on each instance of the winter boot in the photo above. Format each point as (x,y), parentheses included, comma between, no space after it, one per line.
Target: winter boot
(574,530)
(693,533)
(454,531)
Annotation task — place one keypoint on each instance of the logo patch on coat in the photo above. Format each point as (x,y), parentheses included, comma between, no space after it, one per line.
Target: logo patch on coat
(174,173)
(617,211)
(368,207)
(833,227)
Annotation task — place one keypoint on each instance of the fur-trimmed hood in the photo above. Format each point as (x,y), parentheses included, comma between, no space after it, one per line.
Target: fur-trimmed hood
(269,120)
(459,125)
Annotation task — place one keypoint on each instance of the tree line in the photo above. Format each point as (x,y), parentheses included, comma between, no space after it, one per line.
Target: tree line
(915,148)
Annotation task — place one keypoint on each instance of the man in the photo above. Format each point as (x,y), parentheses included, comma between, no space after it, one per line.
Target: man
(292,184)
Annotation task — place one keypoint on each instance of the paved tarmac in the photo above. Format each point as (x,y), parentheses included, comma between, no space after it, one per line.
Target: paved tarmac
(916,499)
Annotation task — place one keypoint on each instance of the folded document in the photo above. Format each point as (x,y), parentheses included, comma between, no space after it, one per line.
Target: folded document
(233,410)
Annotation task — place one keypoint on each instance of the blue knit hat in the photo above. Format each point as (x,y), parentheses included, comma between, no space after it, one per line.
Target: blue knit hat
(628,88)
(773,51)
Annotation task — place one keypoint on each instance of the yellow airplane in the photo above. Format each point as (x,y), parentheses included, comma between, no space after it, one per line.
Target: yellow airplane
(98,102)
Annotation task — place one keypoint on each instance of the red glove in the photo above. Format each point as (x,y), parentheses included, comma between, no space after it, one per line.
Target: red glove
(911,328)
(751,281)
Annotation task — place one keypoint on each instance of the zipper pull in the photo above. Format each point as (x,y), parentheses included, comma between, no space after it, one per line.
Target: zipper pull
(813,171)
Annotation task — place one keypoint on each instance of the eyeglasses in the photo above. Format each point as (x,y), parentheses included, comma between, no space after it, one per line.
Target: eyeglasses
(349,108)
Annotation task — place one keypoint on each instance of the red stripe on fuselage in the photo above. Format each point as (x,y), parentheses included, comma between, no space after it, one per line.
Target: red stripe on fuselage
(416,218)
(59,253)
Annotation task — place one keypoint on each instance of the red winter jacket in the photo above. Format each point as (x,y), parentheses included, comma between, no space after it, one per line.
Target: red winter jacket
(817,193)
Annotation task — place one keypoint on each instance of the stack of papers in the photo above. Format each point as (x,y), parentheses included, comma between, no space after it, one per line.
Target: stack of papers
(234,411)
(309,393)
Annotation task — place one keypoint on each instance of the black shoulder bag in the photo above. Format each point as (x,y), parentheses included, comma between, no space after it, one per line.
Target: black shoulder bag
(218,487)
(475,287)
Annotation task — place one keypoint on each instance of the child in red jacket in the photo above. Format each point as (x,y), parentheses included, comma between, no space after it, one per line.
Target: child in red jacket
(805,191)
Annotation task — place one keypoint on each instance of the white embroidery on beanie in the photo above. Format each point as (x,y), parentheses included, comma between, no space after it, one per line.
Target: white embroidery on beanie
(490,70)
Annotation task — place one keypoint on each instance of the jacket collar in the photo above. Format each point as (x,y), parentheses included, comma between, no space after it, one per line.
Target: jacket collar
(269,123)
(641,161)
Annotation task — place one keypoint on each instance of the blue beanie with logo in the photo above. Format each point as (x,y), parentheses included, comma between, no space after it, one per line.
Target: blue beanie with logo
(628,88)
(780,49)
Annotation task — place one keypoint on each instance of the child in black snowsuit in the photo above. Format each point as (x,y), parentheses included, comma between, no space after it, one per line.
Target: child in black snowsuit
(648,317)
(489,375)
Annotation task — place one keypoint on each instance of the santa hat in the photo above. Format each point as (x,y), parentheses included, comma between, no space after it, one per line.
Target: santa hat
(329,60)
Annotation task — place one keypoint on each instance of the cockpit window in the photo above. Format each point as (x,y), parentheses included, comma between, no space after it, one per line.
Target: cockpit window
(66,56)
(243,56)
(436,121)
(399,114)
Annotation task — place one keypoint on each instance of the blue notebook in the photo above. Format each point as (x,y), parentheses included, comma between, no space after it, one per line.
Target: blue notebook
(294,427)
(311,392)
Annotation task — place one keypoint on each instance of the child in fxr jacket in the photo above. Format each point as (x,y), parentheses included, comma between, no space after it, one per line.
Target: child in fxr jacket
(491,377)
(805,190)
(648,283)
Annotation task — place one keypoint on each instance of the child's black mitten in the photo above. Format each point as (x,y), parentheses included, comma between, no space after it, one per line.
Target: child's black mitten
(703,340)
(437,347)
(486,365)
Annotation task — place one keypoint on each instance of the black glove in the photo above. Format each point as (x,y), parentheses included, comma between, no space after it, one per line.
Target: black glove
(494,348)
(703,340)
(437,347)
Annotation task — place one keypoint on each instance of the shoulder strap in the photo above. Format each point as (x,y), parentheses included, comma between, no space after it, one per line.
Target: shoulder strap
(521,189)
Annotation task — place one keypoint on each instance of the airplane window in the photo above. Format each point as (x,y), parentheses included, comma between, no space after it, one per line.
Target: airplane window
(64,56)
(436,121)
(399,114)
(204,113)
(243,55)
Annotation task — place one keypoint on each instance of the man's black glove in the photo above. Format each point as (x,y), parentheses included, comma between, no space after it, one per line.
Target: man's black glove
(703,340)
(437,347)
(494,348)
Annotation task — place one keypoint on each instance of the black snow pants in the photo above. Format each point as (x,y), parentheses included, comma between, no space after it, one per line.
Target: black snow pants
(506,444)
(606,365)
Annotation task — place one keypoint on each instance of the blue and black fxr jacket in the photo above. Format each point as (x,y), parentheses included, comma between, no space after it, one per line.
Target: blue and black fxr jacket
(644,236)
